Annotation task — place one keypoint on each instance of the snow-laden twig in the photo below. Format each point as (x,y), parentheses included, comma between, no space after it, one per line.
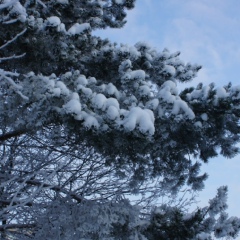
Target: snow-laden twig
(12,74)
(13,39)
(11,21)
(41,3)
(17,88)
(12,57)
(10,81)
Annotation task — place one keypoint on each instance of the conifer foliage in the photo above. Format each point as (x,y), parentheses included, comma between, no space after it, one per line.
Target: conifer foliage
(93,134)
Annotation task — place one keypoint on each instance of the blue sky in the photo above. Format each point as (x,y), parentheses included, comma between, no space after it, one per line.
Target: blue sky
(208,33)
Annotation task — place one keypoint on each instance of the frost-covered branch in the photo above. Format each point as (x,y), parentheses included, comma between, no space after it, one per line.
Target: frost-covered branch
(13,39)
(12,57)
(73,195)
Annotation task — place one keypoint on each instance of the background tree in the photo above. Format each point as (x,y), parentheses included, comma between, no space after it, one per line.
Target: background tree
(87,124)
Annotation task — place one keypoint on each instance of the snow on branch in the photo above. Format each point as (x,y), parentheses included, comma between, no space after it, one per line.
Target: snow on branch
(7,4)
(13,39)
(12,57)
(16,87)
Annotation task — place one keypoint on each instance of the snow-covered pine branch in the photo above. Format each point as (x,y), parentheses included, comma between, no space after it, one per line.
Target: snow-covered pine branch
(84,118)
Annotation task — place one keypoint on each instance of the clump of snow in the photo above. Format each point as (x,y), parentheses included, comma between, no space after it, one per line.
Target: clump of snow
(112,112)
(235,92)
(169,70)
(120,1)
(168,91)
(164,54)
(136,75)
(99,101)
(66,76)
(198,124)
(53,21)
(90,121)
(134,54)
(61,28)
(194,94)
(143,119)
(169,94)
(199,93)
(64,90)
(77,28)
(112,90)
(82,80)
(86,91)
(170,86)
(203,236)
(221,92)
(145,90)
(102,87)
(63,1)
(111,102)
(130,51)
(125,66)
(180,68)
(49,83)
(74,105)
(178,105)
(204,117)
(235,88)
(16,9)
(206,90)
(92,80)
(56,92)
(152,104)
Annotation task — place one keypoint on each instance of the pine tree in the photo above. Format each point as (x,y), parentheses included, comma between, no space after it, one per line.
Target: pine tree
(86,123)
